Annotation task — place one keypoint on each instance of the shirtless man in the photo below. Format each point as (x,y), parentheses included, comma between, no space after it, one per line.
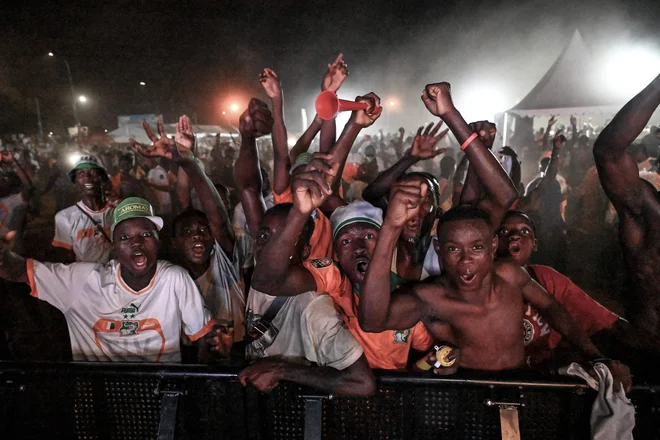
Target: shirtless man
(637,205)
(479,302)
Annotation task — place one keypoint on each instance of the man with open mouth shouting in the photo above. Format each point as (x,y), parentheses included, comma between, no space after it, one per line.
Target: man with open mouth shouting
(81,231)
(131,309)
(517,242)
(355,230)
(203,241)
(479,299)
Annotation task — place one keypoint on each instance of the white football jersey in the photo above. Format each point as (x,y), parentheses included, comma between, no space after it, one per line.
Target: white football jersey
(76,231)
(109,321)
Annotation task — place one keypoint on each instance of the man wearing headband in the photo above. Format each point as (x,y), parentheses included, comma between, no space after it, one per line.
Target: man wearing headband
(414,257)
(81,231)
(131,309)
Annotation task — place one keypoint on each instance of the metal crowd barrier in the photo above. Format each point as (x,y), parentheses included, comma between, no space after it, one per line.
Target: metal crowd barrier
(165,402)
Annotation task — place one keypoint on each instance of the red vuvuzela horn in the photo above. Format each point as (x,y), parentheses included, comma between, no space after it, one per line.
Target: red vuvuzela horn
(328,105)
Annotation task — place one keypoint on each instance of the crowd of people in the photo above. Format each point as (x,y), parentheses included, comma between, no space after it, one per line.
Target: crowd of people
(319,263)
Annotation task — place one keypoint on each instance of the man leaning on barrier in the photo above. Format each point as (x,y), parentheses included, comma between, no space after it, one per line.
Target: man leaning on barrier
(130,309)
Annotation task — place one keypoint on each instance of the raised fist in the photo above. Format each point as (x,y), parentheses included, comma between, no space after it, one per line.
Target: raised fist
(257,120)
(311,186)
(437,98)
(365,118)
(486,131)
(405,202)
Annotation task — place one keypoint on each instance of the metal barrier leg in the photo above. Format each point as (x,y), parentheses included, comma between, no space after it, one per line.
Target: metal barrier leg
(314,416)
(169,405)
(509,423)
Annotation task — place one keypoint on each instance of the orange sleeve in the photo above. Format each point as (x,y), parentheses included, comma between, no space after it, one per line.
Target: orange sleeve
(321,241)
(328,279)
(29,263)
(589,313)
(205,330)
(421,338)
(61,244)
(285,197)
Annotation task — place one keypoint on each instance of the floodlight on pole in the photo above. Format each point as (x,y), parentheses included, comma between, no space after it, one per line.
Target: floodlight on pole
(73,95)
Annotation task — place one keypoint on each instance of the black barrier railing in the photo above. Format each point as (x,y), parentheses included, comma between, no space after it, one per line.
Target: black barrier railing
(150,401)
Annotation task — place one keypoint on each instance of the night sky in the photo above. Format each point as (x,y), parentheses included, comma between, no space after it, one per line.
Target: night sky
(195,57)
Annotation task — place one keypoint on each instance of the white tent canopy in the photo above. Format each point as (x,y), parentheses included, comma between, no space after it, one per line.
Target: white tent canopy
(570,87)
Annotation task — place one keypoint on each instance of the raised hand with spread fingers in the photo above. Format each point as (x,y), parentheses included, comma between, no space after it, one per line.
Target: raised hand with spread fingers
(336,74)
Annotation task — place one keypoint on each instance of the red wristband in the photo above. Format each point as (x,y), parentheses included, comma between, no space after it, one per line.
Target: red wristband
(468,141)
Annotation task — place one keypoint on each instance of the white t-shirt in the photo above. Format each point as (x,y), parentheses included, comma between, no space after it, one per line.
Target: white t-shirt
(109,321)
(244,240)
(223,289)
(76,231)
(158,176)
(306,329)
(13,210)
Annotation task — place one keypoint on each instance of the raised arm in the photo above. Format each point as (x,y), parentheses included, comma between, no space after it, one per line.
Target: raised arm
(256,121)
(617,169)
(500,192)
(214,207)
(458,181)
(28,185)
(379,309)
(274,273)
(303,143)
(281,161)
(355,380)
(559,319)
(423,148)
(574,133)
(12,265)
(332,80)
(359,119)
(546,136)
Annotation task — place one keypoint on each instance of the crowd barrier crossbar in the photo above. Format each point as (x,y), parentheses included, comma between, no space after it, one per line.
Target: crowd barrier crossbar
(127,402)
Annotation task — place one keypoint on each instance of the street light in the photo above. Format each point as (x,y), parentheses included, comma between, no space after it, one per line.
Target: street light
(73,95)
(142,83)
(234,107)
(82,99)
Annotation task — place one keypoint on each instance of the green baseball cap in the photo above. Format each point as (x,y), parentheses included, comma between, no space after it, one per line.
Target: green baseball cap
(86,162)
(134,207)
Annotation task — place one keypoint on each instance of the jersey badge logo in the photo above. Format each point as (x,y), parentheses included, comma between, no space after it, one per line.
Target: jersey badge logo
(320,263)
(128,328)
(401,336)
(528,329)
(130,311)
